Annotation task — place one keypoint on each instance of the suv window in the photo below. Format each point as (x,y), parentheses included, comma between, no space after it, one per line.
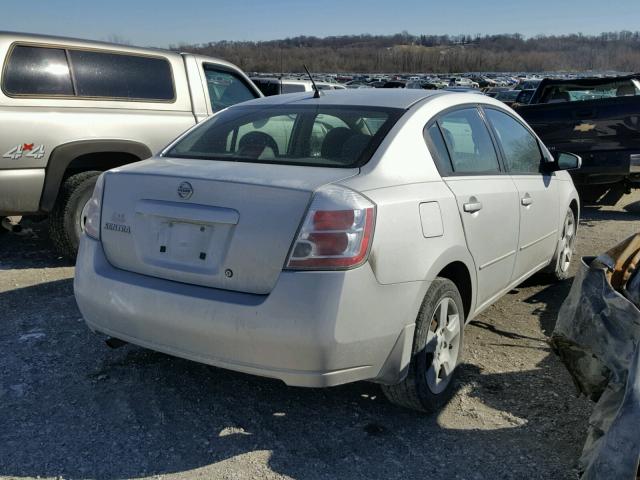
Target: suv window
(521,150)
(225,88)
(468,142)
(114,75)
(37,71)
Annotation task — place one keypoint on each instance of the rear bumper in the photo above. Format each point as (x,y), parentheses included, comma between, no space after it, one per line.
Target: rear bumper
(314,329)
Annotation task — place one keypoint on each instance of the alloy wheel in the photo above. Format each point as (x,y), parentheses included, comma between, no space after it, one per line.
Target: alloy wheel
(566,243)
(443,344)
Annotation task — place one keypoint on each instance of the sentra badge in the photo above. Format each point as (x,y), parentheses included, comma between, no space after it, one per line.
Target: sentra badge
(185,190)
(117,227)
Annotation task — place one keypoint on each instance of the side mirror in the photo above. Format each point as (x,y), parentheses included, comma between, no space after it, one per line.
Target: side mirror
(567,161)
(563,161)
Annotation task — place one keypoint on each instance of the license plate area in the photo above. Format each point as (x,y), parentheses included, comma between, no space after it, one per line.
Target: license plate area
(187,243)
(191,239)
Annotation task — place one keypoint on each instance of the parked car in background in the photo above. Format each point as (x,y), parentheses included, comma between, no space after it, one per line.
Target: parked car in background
(524,96)
(328,240)
(71,109)
(508,97)
(277,86)
(378,83)
(493,91)
(426,85)
(463,82)
(596,118)
(528,84)
(395,84)
(462,90)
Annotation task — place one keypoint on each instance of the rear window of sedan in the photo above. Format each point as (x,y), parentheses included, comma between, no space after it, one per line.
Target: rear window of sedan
(327,136)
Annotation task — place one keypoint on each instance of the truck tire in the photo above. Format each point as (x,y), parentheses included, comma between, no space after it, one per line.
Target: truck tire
(438,340)
(65,220)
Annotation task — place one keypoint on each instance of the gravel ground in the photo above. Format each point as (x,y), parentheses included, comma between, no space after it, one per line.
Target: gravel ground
(72,408)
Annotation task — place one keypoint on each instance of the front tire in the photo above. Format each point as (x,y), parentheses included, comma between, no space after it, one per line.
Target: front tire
(437,350)
(560,266)
(65,220)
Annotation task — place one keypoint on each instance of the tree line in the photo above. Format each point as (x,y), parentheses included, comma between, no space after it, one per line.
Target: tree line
(407,53)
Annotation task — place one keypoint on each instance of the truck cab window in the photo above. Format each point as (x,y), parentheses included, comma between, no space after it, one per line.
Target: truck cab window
(225,88)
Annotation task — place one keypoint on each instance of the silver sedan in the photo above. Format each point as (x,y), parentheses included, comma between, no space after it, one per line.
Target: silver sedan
(331,239)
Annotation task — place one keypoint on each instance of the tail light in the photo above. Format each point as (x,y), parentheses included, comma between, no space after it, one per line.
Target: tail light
(92,211)
(336,232)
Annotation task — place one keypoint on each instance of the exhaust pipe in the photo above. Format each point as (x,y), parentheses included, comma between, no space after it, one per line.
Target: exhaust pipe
(113,342)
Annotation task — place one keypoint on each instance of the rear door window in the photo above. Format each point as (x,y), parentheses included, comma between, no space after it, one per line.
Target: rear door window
(225,88)
(468,142)
(438,149)
(114,75)
(37,71)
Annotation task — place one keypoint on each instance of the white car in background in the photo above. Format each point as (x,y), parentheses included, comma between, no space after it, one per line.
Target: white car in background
(328,240)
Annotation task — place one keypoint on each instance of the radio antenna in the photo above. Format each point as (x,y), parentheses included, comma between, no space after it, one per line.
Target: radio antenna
(315,87)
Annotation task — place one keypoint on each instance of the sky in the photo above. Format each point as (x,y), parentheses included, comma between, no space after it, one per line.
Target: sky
(161,23)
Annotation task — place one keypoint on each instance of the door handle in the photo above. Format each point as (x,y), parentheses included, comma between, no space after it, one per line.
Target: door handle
(526,200)
(473,206)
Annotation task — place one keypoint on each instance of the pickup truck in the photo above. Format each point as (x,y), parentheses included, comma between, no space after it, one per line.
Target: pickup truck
(71,109)
(597,119)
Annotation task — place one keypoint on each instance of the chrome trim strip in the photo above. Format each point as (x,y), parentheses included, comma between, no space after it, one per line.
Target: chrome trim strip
(538,240)
(496,260)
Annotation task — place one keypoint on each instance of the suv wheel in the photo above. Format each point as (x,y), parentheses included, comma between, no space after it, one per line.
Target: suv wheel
(65,220)
(437,350)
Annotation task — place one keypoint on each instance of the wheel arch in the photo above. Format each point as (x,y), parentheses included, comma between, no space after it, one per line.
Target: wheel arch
(459,274)
(456,264)
(84,155)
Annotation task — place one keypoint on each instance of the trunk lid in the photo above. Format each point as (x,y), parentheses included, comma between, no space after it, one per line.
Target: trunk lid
(218,224)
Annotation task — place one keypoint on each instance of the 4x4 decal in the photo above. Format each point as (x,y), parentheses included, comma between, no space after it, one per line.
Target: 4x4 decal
(25,150)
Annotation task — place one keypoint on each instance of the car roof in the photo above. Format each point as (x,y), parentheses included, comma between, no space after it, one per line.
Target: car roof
(374,97)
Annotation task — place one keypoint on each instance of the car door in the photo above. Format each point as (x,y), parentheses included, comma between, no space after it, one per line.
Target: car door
(486,196)
(537,191)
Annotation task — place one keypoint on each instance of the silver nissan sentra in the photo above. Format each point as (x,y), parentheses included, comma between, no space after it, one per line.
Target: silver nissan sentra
(328,240)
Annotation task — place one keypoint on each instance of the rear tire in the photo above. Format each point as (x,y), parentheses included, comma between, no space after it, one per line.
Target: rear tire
(65,220)
(437,350)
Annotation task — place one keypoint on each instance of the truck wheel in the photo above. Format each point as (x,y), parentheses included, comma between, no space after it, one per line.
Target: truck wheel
(437,350)
(559,267)
(65,220)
